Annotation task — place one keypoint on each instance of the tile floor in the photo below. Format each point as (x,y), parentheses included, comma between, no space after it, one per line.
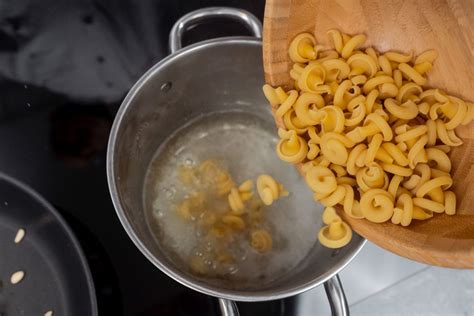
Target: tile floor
(380,283)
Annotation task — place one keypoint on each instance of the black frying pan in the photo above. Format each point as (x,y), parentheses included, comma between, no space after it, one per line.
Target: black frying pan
(57,277)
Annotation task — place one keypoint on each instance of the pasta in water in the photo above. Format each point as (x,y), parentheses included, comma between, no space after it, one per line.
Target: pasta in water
(225,212)
(368,135)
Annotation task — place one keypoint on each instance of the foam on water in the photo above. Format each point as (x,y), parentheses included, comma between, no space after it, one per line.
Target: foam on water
(245,145)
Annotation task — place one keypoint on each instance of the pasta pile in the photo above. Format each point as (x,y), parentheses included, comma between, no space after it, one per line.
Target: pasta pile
(225,213)
(369,135)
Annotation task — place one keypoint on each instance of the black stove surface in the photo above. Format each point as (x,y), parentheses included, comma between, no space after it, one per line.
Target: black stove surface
(65,67)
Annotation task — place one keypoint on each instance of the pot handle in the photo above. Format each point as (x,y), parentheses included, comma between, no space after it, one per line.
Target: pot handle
(228,307)
(334,291)
(195,17)
(336,297)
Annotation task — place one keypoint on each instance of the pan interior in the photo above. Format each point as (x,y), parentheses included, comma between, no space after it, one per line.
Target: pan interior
(245,144)
(55,276)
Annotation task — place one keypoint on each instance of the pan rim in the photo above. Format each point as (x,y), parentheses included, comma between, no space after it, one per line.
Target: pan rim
(28,190)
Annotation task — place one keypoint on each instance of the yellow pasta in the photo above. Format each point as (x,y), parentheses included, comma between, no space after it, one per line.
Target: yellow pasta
(291,148)
(369,135)
(261,240)
(403,212)
(302,48)
(377,205)
(269,190)
(278,97)
(336,234)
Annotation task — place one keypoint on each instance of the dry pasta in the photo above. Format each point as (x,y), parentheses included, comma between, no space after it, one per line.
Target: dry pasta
(369,136)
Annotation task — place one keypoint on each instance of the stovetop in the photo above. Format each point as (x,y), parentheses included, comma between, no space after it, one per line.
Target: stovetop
(65,67)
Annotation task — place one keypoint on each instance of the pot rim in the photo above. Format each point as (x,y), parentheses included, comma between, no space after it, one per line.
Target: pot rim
(177,275)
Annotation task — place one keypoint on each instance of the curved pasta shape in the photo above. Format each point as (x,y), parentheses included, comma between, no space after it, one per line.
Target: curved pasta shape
(365,63)
(313,151)
(412,74)
(388,90)
(312,76)
(372,177)
(307,108)
(292,122)
(333,147)
(403,212)
(409,91)
(397,170)
(333,198)
(236,202)
(234,222)
(261,240)
(330,215)
(336,38)
(269,190)
(427,56)
(351,206)
(447,137)
(352,44)
(321,180)
(279,98)
(377,205)
(341,90)
(375,82)
(398,58)
(394,185)
(406,111)
(291,147)
(438,159)
(460,112)
(339,66)
(449,203)
(340,171)
(357,110)
(417,153)
(373,149)
(423,67)
(410,133)
(336,235)
(373,124)
(302,48)
(333,119)
(428,205)
(425,188)
(355,155)
(421,214)
(396,153)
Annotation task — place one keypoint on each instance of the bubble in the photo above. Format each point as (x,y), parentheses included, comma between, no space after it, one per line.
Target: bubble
(208,262)
(169,192)
(198,253)
(158,213)
(6,203)
(232,269)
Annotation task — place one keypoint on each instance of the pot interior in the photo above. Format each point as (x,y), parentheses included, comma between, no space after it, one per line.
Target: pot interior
(215,83)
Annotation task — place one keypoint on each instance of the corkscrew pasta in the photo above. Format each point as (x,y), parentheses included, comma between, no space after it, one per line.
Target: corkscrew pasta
(367,133)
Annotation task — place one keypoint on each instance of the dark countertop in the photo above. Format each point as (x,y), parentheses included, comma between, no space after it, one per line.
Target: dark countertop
(65,66)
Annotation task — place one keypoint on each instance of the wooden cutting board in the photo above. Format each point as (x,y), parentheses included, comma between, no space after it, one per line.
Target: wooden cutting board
(404,26)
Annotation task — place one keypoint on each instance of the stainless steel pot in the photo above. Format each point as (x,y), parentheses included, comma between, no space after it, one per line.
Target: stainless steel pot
(213,75)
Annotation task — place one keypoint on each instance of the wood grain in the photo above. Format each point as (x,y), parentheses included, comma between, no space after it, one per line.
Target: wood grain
(404,26)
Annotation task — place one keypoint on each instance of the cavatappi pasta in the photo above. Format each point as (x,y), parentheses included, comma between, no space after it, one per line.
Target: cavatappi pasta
(222,209)
(368,133)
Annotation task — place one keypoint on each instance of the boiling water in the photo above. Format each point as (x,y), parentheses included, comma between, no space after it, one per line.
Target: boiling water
(245,144)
